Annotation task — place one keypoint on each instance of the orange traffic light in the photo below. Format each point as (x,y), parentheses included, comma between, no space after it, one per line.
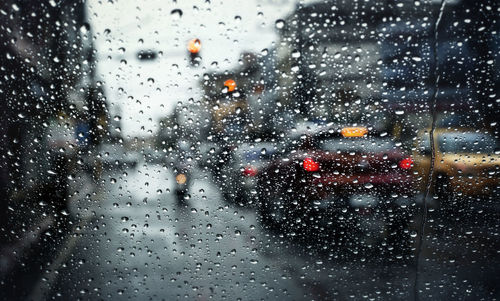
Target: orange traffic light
(194,46)
(230,84)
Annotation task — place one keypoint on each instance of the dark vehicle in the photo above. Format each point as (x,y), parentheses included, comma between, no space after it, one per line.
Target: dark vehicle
(238,175)
(182,174)
(340,182)
(182,163)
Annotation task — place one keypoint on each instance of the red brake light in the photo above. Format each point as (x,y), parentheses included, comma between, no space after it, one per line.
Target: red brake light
(310,165)
(406,163)
(250,171)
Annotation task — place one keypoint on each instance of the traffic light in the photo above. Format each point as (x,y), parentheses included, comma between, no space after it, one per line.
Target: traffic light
(194,47)
(230,85)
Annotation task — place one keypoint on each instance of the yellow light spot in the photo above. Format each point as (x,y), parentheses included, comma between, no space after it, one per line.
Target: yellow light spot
(354,131)
(181,178)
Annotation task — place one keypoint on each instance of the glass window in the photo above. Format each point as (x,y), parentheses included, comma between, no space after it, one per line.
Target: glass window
(249,150)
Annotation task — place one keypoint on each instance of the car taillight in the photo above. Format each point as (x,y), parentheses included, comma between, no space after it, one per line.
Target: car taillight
(310,165)
(406,163)
(250,171)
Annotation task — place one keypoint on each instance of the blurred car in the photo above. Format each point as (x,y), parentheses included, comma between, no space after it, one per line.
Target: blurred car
(238,175)
(466,163)
(115,156)
(181,160)
(340,182)
(208,155)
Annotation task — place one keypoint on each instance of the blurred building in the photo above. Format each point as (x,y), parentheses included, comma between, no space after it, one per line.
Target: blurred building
(368,62)
(47,85)
(463,53)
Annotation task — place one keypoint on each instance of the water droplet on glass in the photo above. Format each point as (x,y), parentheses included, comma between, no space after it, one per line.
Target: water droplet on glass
(176,13)
(295,53)
(279,23)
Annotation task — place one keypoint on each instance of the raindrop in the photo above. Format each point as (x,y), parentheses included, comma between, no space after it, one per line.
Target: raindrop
(176,13)
(85,28)
(279,23)
(295,53)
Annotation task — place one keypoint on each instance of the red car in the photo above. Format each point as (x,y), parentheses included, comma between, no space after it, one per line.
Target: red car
(340,181)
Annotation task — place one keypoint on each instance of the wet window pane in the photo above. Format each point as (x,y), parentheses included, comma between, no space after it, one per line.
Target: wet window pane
(249,150)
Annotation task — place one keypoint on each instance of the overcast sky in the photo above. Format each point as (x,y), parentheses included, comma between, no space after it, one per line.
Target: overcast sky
(143,92)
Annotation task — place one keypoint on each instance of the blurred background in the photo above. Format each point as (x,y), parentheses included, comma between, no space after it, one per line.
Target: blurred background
(312,150)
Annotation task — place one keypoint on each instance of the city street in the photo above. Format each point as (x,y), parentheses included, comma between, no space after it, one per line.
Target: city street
(133,240)
(249,150)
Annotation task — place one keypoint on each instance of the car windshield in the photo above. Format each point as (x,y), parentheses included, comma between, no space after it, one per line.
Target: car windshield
(249,150)
(255,152)
(467,143)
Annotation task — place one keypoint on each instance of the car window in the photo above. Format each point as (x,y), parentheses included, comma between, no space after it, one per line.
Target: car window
(467,143)
(255,152)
